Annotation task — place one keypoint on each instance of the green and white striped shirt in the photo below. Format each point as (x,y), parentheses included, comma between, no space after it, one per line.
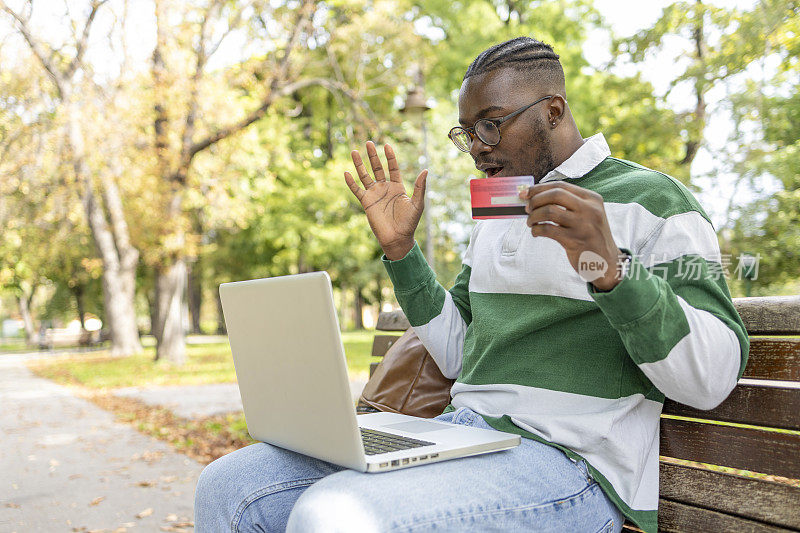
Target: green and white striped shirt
(537,352)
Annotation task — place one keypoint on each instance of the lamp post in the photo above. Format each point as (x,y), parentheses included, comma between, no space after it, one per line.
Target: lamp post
(416,106)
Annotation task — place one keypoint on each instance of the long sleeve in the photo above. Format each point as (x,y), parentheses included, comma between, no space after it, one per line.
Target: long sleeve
(439,317)
(675,316)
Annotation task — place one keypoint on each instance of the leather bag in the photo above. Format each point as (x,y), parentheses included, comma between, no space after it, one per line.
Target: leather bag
(407,381)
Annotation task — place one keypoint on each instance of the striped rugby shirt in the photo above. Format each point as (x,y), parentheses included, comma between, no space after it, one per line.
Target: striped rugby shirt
(537,352)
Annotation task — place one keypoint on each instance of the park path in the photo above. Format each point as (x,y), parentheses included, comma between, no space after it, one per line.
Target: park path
(66,465)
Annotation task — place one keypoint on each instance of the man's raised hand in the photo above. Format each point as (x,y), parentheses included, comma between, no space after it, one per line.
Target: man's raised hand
(392,215)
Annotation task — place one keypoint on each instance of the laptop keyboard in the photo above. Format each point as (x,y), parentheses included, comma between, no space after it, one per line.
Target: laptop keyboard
(376,442)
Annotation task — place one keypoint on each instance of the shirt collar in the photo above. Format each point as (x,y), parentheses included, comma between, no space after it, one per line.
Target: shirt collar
(589,155)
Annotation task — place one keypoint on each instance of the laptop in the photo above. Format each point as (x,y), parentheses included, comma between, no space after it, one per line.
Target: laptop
(292,374)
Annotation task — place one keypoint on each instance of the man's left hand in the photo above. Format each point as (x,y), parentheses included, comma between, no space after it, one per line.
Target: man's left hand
(576,219)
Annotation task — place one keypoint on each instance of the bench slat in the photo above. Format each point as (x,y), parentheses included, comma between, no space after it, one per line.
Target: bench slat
(756,499)
(770,315)
(392,321)
(774,358)
(382,343)
(755,405)
(674,516)
(756,450)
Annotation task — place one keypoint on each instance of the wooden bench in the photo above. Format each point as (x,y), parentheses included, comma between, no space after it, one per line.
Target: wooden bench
(757,429)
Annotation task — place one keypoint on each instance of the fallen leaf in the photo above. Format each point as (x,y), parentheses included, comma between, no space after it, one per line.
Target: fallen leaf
(12,505)
(75,476)
(145,484)
(183,524)
(171,518)
(174,529)
(121,530)
(128,524)
(97,500)
(146,512)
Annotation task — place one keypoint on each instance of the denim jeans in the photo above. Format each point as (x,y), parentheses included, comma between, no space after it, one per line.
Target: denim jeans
(533,487)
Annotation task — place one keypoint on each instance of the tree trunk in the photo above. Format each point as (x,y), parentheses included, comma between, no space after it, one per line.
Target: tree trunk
(359,308)
(171,344)
(195,295)
(378,293)
(221,329)
(153,309)
(31,336)
(701,85)
(118,295)
(118,256)
(77,291)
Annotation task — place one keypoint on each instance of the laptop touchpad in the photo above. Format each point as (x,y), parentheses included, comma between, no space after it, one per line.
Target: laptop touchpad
(418,426)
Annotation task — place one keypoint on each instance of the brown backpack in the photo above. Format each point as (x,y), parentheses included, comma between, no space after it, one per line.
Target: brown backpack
(407,381)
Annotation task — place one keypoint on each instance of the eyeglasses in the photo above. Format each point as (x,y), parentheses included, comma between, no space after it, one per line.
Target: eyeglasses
(486,129)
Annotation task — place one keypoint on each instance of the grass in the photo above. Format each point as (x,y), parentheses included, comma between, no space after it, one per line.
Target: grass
(15,345)
(205,363)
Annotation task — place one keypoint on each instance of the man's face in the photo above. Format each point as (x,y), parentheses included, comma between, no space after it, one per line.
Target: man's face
(525,144)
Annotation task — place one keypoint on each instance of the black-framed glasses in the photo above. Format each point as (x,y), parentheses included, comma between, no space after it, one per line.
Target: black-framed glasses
(486,129)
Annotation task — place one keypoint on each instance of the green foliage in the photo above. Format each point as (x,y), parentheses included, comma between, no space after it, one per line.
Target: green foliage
(769,108)
(271,200)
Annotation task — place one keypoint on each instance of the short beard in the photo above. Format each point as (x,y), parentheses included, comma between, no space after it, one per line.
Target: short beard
(545,162)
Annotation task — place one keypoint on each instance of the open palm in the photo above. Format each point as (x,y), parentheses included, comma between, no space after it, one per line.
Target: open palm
(392,215)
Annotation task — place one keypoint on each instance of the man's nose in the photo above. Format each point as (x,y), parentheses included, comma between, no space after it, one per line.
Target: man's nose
(478,147)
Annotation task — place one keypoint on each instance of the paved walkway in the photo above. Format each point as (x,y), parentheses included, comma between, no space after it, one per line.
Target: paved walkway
(68,466)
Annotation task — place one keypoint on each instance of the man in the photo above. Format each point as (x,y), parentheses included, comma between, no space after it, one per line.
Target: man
(576,360)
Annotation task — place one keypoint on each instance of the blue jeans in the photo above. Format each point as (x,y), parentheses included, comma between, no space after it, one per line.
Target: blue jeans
(533,487)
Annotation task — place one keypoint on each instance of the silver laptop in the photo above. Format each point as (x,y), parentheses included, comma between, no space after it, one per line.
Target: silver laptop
(292,376)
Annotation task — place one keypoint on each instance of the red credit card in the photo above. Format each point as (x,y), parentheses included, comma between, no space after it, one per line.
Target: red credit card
(498,197)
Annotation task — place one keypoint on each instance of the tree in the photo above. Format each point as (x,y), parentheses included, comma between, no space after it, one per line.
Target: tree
(102,202)
(766,112)
(274,80)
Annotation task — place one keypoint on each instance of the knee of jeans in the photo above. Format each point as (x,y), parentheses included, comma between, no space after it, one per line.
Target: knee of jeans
(328,509)
(210,485)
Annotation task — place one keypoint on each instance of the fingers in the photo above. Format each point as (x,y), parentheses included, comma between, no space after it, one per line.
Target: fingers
(357,191)
(557,233)
(553,196)
(375,162)
(391,164)
(418,196)
(551,213)
(361,170)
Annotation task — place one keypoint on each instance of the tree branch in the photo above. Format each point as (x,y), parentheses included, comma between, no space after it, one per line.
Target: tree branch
(119,227)
(37,48)
(305,13)
(333,86)
(81,44)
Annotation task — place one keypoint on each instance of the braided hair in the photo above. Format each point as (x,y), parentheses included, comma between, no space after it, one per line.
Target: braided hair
(522,54)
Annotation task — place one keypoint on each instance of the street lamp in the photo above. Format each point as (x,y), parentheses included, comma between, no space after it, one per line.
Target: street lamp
(415,106)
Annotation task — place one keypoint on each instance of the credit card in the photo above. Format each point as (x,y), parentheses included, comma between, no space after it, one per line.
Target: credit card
(498,197)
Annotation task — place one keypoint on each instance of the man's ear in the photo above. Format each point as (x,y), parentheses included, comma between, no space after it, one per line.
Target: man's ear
(555,109)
